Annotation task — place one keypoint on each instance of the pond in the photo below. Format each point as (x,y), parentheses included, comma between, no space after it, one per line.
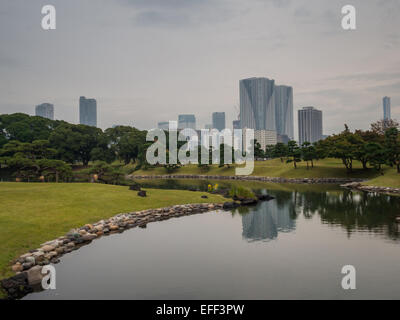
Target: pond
(292,247)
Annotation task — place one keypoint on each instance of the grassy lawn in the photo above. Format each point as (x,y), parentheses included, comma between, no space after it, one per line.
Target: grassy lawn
(326,168)
(33,213)
(390,179)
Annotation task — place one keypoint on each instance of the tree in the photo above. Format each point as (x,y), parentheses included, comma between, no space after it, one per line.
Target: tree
(392,147)
(106,173)
(381,126)
(375,154)
(75,142)
(293,153)
(308,153)
(281,150)
(58,168)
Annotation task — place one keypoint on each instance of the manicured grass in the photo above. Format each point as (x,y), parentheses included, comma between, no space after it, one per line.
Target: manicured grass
(33,213)
(326,168)
(390,179)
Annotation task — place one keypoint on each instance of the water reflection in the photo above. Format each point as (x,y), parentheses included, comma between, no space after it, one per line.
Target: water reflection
(353,211)
(265,221)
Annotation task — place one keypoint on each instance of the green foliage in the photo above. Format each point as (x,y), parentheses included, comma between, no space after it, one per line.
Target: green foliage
(392,147)
(240,192)
(294,153)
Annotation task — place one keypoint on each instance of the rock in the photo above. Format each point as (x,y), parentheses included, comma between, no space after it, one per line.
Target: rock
(248,202)
(114,227)
(60,250)
(89,237)
(82,232)
(47,248)
(34,275)
(30,260)
(17,286)
(142,194)
(17,267)
(264,197)
(398,219)
(27,265)
(230,205)
(135,187)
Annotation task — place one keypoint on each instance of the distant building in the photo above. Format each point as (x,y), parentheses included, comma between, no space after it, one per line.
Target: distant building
(208,126)
(164,125)
(310,125)
(236,124)
(283,138)
(45,110)
(386,108)
(284,111)
(257,104)
(265,138)
(218,121)
(187,121)
(88,111)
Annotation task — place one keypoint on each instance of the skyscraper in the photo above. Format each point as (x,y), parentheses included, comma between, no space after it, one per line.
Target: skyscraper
(187,121)
(310,125)
(386,108)
(88,111)
(257,104)
(284,111)
(218,121)
(45,110)
(163,125)
(236,124)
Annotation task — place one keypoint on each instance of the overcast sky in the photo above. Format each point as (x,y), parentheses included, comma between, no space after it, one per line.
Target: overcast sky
(147,61)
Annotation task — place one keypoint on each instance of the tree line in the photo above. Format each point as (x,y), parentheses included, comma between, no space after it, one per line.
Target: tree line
(378,146)
(38,148)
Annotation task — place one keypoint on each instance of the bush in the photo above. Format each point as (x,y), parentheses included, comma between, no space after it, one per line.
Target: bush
(242,193)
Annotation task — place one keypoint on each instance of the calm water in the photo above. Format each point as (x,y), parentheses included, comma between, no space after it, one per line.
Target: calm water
(292,247)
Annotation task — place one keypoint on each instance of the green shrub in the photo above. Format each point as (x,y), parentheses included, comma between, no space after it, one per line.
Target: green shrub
(241,192)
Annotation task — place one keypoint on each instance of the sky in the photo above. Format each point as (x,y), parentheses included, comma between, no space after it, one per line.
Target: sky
(146,61)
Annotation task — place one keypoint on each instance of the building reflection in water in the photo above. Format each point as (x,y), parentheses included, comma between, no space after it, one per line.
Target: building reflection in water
(264,222)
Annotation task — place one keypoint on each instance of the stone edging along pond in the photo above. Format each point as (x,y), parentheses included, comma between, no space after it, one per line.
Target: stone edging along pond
(366,188)
(29,266)
(250,178)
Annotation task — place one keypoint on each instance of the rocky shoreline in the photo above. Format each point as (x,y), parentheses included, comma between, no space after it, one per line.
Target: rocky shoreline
(252,178)
(28,267)
(360,187)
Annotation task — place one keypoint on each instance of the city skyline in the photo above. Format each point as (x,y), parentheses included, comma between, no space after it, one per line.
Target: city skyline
(197,69)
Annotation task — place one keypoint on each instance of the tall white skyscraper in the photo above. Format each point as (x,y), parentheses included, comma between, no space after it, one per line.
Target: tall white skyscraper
(257,104)
(386,108)
(284,111)
(310,125)
(88,111)
(45,110)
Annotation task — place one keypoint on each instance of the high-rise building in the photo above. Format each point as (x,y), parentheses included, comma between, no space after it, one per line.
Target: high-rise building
(266,138)
(257,104)
(218,121)
(236,124)
(163,125)
(187,121)
(284,111)
(386,108)
(310,125)
(88,111)
(45,110)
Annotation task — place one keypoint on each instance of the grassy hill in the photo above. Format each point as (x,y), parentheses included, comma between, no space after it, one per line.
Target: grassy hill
(326,168)
(33,213)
